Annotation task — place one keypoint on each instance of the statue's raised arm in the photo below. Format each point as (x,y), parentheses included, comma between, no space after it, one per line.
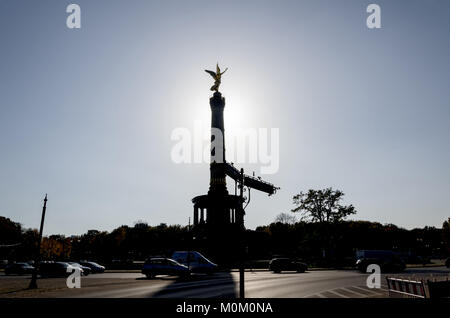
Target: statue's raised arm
(217,77)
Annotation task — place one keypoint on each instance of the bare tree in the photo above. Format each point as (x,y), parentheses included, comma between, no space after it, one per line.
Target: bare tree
(285,218)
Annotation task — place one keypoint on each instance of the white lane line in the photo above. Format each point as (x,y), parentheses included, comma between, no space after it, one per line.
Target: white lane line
(354,292)
(318,295)
(315,295)
(366,290)
(337,293)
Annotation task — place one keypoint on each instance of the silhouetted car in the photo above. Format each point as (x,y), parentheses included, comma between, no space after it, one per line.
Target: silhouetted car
(196,262)
(447,262)
(3,263)
(18,269)
(95,268)
(85,270)
(55,269)
(277,265)
(163,266)
(387,260)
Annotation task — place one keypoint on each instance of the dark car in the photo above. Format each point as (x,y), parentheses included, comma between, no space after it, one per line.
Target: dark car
(3,263)
(387,260)
(84,269)
(18,269)
(277,265)
(55,269)
(95,268)
(163,266)
(447,262)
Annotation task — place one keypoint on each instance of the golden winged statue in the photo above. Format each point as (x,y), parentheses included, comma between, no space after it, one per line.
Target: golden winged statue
(217,77)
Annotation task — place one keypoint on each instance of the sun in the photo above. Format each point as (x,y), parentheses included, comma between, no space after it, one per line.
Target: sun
(236,115)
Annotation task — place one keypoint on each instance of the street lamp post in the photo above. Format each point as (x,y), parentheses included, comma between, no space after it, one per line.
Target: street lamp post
(242,251)
(189,247)
(33,284)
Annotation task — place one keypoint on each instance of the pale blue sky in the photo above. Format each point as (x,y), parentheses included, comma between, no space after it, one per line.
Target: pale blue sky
(86,115)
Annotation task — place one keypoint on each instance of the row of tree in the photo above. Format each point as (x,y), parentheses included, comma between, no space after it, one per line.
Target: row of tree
(301,239)
(320,235)
(123,243)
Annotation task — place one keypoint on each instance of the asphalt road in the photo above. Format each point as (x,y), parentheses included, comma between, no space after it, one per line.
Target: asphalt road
(258,284)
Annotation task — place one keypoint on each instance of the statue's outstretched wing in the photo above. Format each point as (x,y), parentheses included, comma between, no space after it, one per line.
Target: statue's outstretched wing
(211,73)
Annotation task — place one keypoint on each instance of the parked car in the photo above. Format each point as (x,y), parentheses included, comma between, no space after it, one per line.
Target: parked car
(3,263)
(387,260)
(196,262)
(56,269)
(413,258)
(18,269)
(163,266)
(85,270)
(447,262)
(95,268)
(277,265)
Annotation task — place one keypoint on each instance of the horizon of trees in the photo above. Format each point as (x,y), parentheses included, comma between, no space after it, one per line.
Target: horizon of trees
(303,239)
(321,236)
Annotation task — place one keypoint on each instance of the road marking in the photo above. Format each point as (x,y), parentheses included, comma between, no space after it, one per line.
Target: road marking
(333,291)
(366,290)
(354,292)
(350,289)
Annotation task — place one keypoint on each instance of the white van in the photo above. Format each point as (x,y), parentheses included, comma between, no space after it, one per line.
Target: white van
(196,262)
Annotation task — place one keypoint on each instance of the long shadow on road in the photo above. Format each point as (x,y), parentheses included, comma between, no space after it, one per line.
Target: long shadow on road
(218,285)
